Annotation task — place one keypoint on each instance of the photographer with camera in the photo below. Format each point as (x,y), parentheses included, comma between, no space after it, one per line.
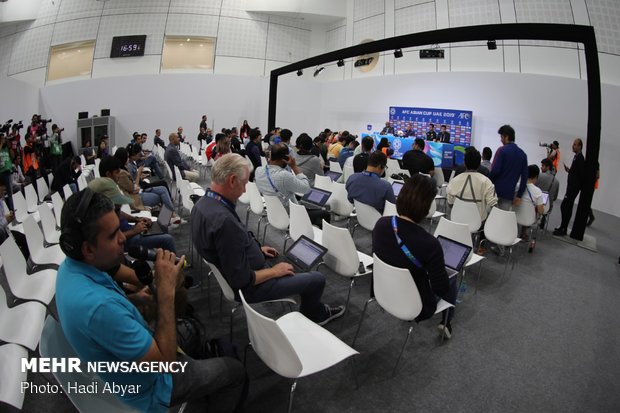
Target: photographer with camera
(56,146)
(553,154)
(6,168)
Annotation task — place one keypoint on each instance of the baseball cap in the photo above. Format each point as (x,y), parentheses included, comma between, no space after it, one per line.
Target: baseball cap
(107,187)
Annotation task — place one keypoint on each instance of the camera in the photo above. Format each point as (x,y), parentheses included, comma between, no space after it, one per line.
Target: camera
(7,125)
(544,145)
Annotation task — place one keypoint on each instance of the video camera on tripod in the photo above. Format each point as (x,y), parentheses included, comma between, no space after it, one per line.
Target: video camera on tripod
(7,126)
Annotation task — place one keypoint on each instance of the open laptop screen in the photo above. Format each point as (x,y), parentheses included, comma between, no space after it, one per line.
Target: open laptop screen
(454,253)
(317,196)
(334,176)
(396,187)
(305,253)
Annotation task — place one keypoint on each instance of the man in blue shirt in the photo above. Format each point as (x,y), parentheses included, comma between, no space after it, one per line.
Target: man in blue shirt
(368,188)
(509,166)
(101,324)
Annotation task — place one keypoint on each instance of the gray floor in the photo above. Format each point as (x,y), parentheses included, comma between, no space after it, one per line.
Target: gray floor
(543,338)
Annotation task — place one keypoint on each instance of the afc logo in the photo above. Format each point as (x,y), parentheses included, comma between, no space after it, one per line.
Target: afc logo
(392,111)
(397,144)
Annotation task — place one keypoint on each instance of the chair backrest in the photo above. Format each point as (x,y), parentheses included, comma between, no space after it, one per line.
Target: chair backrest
(452,175)
(31,198)
(11,375)
(66,191)
(81,182)
(276,213)
(339,203)
(20,206)
(34,236)
(54,344)
(395,290)
(256,200)
(57,202)
(271,344)
(465,212)
(394,167)
(300,223)
(455,231)
(341,254)
(13,261)
(367,216)
(83,159)
(501,226)
(245,197)
(323,182)
(335,166)
(439,178)
(226,289)
(42,189)
(432,209)
(347,171)
(389,209)
(48,221)
(50,179)
(526,214)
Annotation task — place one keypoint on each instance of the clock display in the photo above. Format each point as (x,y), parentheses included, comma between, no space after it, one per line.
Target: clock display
(125,46)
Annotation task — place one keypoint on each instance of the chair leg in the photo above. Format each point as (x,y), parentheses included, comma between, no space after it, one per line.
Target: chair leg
(247,216)
(361,319)
(265,231)
(286,238)
(291,395)
(354,373)
(402,350)
(346,305)
(478,278)
(232,313)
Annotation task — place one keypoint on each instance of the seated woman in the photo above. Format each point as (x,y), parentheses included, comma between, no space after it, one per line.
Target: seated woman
(392,236)
(153,196)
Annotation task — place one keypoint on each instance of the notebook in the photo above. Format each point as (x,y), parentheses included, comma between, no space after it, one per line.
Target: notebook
(396,187)
(455,254)
(334,176)
(317,197)
(305,253)
(162,223)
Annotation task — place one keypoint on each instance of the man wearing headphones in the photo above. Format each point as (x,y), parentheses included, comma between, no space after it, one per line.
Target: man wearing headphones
(102,325)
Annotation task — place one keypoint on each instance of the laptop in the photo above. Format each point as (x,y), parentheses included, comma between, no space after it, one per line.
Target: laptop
(545,198)
(317,197)
(455,254)
(163,221)
(396,187)
(305,253)
(334,176)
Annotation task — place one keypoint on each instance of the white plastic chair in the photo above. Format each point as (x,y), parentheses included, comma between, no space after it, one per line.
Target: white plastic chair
(342,256)
(335,166)
(42,189)
(81,182)
(21,324)
(433,213)
(39,254)
(39,286)
(300,224)
(367,216)
(256,206)
(465,212)
(48,223)
(277,217)
(460,233)
(347,171)
(397,293)
(21,208)
(32,199)
(323,182)
(526,216)
(389,209)
(58,203)
(394,167)
(227,292)
(67,192)
(293,346)
(55,344)
(501,229)
(339,203)
(11,374)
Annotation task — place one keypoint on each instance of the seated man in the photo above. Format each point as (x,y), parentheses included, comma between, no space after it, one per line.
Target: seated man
(532,198)
(173,157)
(222,239)
(148,159)
(368,187)
(134,234)
(347,151)
(68,172)
(101,324)
(473,186)
(462,168)
(416,161)
(276,180)
(360,161)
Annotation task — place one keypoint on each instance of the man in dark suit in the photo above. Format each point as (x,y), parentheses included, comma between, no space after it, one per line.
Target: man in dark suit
(444,135)
(575,178)
(388,129)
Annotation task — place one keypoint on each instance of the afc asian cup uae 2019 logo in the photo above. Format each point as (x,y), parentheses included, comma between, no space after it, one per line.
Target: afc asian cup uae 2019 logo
(392,111)
(397,144)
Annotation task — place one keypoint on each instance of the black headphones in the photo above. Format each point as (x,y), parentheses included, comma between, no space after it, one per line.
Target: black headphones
(72,237)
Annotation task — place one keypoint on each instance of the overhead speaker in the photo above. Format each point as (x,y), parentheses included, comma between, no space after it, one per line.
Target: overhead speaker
(105,112)
(82,115)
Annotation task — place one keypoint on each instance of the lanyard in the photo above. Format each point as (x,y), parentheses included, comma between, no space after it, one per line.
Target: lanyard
(269,178)
(402,246)
(366,173)
(225,202)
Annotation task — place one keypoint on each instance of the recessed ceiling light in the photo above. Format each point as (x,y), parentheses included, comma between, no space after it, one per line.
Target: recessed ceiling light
(188,39)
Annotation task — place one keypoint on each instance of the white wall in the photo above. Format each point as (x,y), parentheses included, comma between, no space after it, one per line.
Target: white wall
(19,101)
(145,103)
(540,108)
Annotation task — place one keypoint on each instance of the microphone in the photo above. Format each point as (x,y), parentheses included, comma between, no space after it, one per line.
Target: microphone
(140,252)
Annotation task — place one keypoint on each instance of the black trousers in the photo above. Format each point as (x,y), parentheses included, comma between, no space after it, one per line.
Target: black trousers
(567,206)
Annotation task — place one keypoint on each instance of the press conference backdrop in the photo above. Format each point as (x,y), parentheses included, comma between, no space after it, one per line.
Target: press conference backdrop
(458,122)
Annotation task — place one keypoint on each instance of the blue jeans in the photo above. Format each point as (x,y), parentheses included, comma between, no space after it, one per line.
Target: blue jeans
(151,162)
(163,241)
(219,383)
(157,195)
(308,285)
